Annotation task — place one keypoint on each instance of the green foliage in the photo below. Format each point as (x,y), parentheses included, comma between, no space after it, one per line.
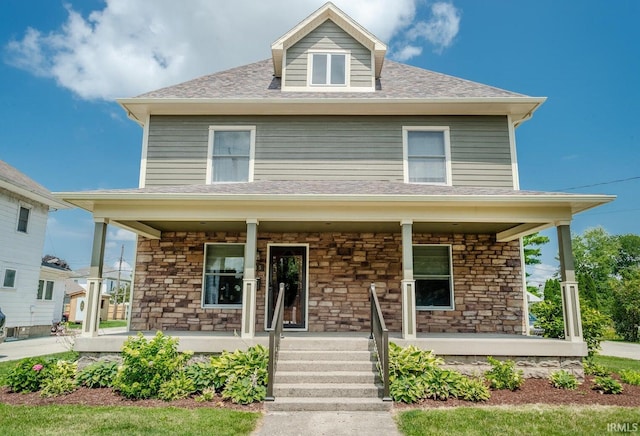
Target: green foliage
(607,385)
(60,379)
(98,375)
(179,386)
(630,377)
(593,368)
(625,311)
(594,326)
(410,360)
(440,384)
(202,374)
(474,389)
(408,389)
(531,244)
(503,375)
(244,390)
(242,375)
(28,374)
(563,380)
(148,364)
(207,395)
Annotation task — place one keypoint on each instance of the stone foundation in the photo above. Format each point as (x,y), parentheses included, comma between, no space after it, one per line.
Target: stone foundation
(532,367)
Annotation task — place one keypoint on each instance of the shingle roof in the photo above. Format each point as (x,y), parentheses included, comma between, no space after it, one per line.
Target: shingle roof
(16,181)
(398,80)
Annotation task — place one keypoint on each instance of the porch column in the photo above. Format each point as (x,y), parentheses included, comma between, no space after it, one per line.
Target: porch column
(569,284)
(249,283)
(408,283)
(94,281)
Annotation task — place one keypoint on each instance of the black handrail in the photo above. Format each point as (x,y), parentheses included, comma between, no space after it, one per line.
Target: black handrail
(275,334)
(380,336)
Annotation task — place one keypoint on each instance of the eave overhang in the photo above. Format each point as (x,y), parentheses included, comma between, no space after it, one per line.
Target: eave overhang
(49,200)
(519,108)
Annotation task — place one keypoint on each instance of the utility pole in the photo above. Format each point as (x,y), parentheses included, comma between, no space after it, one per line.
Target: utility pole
(115,307)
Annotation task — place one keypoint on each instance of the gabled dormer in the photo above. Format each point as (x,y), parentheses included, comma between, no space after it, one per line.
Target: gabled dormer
(328,52)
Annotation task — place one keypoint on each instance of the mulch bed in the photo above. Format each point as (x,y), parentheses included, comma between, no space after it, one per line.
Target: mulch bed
(533,391)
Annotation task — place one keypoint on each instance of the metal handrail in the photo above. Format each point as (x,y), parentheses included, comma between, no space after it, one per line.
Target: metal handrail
(380,336)
(275,334)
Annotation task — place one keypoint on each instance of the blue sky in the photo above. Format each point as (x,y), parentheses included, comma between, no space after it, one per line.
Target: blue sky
(63,63)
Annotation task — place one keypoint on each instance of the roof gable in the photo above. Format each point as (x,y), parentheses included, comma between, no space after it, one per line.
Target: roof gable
(328,11)
(13,180)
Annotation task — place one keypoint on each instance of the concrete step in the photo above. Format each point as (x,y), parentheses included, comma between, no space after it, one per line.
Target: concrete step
(298,404)
(318,355)
(326,377)
(327,390)
(325,343)
(323,366)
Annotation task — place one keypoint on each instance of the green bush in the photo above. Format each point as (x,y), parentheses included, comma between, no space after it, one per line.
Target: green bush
(474,389)
(180,386)
(203,376)
(244,390)
(593,368)
(98,375)
(503,375)
(410,361)
(60,379)
(408,389)
(563,380)
(148,364)
(241,375)
(440,384)
(607,385)
(207,395)
(28,374)
(630,377)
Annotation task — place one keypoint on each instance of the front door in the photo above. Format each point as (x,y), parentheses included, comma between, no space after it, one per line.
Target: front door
(288,265)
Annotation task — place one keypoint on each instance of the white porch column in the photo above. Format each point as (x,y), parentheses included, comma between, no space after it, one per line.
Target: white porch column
(569,284)
(408,283)
(94,282)
(249,283)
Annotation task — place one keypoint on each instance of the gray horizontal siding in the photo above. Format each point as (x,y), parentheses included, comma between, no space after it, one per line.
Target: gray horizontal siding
(329,148)
(328,36)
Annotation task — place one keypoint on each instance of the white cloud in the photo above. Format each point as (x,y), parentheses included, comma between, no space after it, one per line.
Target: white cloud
(122,235)
(407,52)
(539,274)
(129,48)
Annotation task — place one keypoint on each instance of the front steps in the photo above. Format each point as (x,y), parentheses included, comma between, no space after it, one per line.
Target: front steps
(326,374)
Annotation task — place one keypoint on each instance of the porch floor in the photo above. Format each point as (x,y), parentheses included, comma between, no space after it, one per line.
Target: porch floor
(443,344)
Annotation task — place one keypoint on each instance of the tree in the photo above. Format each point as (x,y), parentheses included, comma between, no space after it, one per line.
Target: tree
(628,254)
(532,252)
(626,308)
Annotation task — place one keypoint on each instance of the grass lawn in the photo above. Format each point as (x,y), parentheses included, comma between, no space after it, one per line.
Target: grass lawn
(103,324)
(74,419)
(615,364)
(521,420)
(6,367)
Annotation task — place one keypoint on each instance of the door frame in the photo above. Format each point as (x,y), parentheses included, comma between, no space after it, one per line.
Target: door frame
(306,285)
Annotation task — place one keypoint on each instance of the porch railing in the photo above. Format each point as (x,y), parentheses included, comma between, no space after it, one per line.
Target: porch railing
(275,334)
(380,336)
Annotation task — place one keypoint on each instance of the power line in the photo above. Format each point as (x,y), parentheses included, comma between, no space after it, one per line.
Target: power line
(600,184)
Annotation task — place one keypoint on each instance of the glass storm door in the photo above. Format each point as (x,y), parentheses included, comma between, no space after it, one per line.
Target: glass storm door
(288,265)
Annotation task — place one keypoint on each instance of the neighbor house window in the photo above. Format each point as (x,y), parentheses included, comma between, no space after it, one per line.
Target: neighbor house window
(328,69)
(9,280)
(223,273)
(231,150)
(45,290)
(23,219)
(432,273)
(427,155)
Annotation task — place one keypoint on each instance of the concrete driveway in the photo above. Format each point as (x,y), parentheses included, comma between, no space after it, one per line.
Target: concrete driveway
(16,350)
(620,349)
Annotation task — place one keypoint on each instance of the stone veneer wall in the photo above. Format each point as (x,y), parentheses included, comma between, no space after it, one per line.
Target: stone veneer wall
(487,282)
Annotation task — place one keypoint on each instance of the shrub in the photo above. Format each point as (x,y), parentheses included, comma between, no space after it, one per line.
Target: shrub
(207,395)
(180,386)
(244,390)
(148,364)
(410,361)
(241,375)
(630,377)
(440,384)
(593,368)
(28,374)
(203,376)
(60,379)
(98,375)
(474,389)
(563,380)
(408,389)
(607,385)
(503,375)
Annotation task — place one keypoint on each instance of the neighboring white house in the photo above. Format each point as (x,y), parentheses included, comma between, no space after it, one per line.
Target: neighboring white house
(24,208)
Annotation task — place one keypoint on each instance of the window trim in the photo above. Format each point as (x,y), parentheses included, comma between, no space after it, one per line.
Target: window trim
(252,150)
(417,277)
(347,68)
(204,280)
(4,277)
(447,152)
(45,284)
(29,208)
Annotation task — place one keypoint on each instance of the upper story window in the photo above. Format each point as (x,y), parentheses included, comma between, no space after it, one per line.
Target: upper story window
(23,219)
(427,155)
(433,276)
(9,279)
(223,274)
(231,151)
(328,69)
(45,290)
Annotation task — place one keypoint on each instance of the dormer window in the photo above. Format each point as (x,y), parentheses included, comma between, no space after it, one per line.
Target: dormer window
(328,69)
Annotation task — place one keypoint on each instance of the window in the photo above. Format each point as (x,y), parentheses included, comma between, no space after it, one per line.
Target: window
(427,154)
(432,272)
(223,273)
(9,280)
(23,219)
(45,290)
(329,69)
(231,154)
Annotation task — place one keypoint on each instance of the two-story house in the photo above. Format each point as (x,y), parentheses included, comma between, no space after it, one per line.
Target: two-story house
(31,292)
(328,167)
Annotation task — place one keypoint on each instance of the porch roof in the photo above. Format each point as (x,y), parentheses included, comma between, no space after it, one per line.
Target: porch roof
(509,213)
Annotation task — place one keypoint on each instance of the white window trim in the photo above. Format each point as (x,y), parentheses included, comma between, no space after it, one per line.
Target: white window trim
(15,278)
(204,281)
(30,208)
(44,290)
(447,152)
(347,69)
(452,291)
(252,150)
